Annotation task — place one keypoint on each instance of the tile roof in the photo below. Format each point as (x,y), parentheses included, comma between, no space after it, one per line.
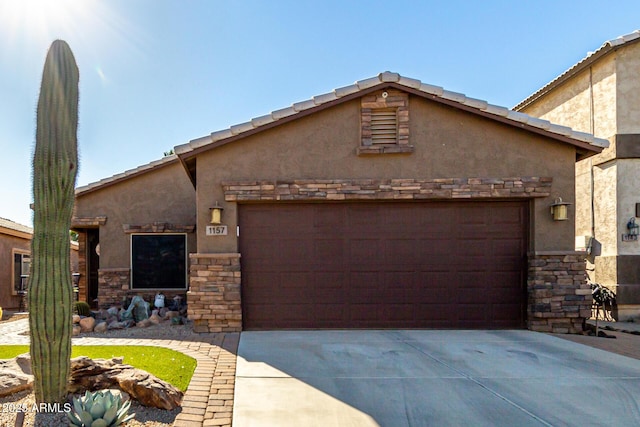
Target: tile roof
(127,174)
(11,225)
(401,81)
(382,79)
(591,57)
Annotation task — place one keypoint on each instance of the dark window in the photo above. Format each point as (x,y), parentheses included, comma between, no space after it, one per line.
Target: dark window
(21,263)
(159,261)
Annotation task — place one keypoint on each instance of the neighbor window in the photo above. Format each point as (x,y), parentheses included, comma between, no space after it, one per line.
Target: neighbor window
(21,264)
(159,261)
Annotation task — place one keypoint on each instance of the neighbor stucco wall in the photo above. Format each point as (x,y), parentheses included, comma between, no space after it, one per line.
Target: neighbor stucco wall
(584,101)
(7,246)
(583,206)
(448,142)
(605,183)
(162,195)
(627,109)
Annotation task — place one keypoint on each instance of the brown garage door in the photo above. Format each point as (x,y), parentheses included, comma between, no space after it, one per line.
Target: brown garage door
(383,265)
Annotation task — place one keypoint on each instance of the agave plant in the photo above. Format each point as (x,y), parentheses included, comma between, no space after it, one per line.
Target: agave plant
(99,409)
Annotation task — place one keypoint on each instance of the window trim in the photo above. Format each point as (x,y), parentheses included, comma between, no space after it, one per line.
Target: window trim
(186,262)
(15,252)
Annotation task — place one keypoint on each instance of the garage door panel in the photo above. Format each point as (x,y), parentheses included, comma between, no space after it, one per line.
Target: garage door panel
(359,281)
(373,265)
(364,250)
(328,251)
(328,219)
(469,314)
(435,315)
(330,280)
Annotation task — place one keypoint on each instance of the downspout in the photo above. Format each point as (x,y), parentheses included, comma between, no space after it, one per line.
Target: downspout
(592,129)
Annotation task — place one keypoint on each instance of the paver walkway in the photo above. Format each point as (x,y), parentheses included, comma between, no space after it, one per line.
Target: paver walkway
(208,400)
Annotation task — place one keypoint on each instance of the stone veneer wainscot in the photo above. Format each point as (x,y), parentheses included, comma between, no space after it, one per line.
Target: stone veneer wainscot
(213,301)
(559,297)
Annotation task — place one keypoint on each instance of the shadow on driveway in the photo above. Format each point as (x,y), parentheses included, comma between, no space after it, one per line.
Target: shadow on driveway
(430,378)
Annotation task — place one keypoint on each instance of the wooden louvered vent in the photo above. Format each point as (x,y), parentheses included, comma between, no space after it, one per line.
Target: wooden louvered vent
(384,126)
(384,123)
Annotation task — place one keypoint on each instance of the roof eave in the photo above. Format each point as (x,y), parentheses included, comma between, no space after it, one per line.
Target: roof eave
(116,179)
(604,50)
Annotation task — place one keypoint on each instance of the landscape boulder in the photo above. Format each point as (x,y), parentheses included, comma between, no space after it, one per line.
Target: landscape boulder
(155,319)
(100,327)
(15,375)
(87,324)
(98,374)
(144,323)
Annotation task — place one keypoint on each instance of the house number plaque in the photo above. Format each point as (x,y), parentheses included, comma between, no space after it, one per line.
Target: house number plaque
(216,230)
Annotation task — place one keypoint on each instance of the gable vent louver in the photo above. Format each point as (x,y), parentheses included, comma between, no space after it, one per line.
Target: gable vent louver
(384,126)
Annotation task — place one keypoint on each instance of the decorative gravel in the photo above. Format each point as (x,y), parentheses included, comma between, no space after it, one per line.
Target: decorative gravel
(10,405)
(144,416)
(162,331)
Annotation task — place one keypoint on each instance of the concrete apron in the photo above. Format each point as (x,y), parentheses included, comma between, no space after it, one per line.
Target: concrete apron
(430,378)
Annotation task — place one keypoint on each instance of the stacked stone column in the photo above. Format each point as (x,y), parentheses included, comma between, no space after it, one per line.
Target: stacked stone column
(559,297)
(213,300)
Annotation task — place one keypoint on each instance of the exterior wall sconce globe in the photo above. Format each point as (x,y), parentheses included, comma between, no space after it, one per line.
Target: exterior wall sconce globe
(633,228)
(559,210)
(216,214)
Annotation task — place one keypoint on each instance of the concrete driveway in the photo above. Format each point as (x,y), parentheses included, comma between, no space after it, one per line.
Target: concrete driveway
(430,378)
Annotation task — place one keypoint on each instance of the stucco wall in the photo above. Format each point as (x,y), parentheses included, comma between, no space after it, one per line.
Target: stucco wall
(163,195)
(7,245)
(605,179)
(448,143)
(570,104)
(628,90)
(583,207)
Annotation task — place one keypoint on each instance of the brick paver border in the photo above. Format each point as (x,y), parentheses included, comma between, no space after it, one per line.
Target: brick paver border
(208,400)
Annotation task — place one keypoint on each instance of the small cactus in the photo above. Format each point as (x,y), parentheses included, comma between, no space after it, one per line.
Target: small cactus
(82,308)
(99,409)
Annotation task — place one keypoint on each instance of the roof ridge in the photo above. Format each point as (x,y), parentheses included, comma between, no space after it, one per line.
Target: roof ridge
(606,47)
(386,77)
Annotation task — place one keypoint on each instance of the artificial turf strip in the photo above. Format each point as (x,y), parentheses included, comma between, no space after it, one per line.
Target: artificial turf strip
(168,365)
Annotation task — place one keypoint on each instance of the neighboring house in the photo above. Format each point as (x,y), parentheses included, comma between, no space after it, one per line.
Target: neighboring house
(15,259)
(388,203)
(601,95)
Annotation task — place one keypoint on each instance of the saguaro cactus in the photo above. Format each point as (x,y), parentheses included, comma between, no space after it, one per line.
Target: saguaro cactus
(55,165)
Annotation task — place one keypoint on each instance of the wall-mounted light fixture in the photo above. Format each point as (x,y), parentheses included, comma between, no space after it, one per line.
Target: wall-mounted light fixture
(559,210)
(216,214)
(633,229)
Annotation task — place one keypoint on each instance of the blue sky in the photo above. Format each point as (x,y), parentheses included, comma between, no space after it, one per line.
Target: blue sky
(157,73)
